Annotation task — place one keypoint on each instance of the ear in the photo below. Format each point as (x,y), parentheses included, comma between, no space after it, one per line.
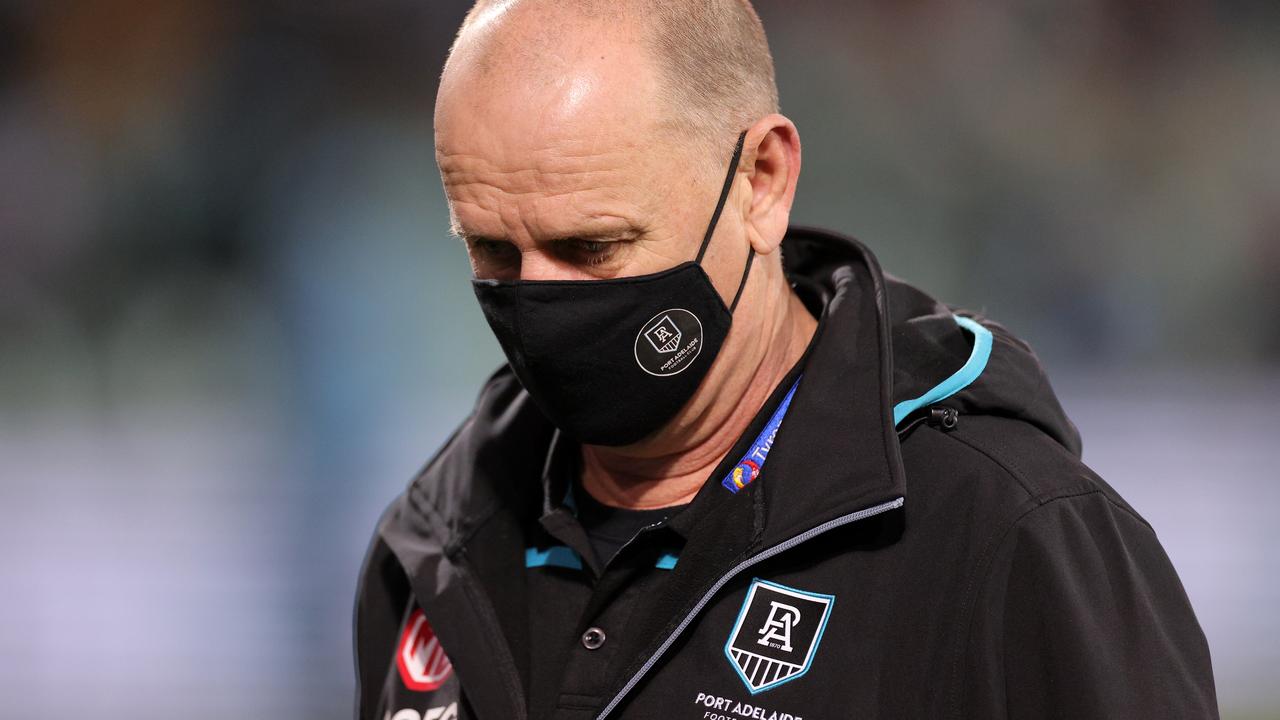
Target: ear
(771,161)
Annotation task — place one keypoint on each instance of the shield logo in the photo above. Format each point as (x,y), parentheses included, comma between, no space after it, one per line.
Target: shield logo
(776,634)
(664,336)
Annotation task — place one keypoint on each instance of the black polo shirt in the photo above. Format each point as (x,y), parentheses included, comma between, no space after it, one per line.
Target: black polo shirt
(579,601)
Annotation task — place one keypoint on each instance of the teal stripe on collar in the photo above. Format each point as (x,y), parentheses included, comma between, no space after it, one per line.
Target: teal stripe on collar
(554,556)
(959,380)
(564,556)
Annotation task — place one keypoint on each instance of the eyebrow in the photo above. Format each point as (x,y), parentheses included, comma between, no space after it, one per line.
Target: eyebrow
(619,235)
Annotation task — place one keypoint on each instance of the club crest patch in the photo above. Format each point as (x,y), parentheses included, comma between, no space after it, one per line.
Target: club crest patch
(776,634)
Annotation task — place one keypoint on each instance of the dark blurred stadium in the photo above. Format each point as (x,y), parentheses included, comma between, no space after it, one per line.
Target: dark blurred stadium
(233,323)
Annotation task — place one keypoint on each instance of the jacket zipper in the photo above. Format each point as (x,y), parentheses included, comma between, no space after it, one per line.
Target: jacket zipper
(734,571)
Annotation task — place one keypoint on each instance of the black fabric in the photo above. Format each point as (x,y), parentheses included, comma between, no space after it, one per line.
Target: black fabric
(563,602)
(976,570)
(611,361)
(608,528)
(1058,629)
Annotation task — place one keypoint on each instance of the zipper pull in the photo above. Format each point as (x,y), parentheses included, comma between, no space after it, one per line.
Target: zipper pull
(943,417)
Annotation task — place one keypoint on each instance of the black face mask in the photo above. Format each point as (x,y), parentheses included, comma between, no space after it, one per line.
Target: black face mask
(611,361)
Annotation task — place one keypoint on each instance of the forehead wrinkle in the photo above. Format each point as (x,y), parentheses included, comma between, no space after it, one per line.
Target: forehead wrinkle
(549,173)
(542,212)
(576,214)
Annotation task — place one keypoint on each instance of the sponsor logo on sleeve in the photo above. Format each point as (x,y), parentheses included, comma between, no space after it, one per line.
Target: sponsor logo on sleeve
(423,665)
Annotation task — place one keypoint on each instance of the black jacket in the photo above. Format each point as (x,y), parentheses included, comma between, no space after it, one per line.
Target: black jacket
(924,524)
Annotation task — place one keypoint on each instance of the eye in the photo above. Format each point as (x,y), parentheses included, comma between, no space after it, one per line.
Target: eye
(493,250)
(486,247)
(592,252)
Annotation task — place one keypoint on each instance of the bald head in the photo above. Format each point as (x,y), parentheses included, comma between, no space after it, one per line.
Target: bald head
(709,59)
(583,139)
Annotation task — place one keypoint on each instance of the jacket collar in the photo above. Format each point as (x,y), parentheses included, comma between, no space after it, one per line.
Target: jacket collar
(837,450)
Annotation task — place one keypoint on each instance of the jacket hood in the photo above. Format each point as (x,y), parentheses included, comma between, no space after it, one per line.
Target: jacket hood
(941,355)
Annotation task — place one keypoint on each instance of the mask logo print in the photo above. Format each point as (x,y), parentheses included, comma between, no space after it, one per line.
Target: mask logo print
(665,336)
(423,665)
(776,634)
(669,342)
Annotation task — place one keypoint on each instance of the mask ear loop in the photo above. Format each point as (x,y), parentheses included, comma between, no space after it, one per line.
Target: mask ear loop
(715,218)
(724,195)
(743,283)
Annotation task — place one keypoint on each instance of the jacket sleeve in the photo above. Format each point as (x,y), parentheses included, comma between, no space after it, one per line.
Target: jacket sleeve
(381,598)
(1081,615)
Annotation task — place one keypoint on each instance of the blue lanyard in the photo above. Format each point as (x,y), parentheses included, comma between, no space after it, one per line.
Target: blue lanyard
(748,468)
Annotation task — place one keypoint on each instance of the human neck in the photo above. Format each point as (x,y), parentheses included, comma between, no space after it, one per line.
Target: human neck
(670,467)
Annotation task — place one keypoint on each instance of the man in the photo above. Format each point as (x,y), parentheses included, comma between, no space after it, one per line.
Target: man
(731,470)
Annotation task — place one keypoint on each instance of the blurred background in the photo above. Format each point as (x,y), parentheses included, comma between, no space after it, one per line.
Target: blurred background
(233,324)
